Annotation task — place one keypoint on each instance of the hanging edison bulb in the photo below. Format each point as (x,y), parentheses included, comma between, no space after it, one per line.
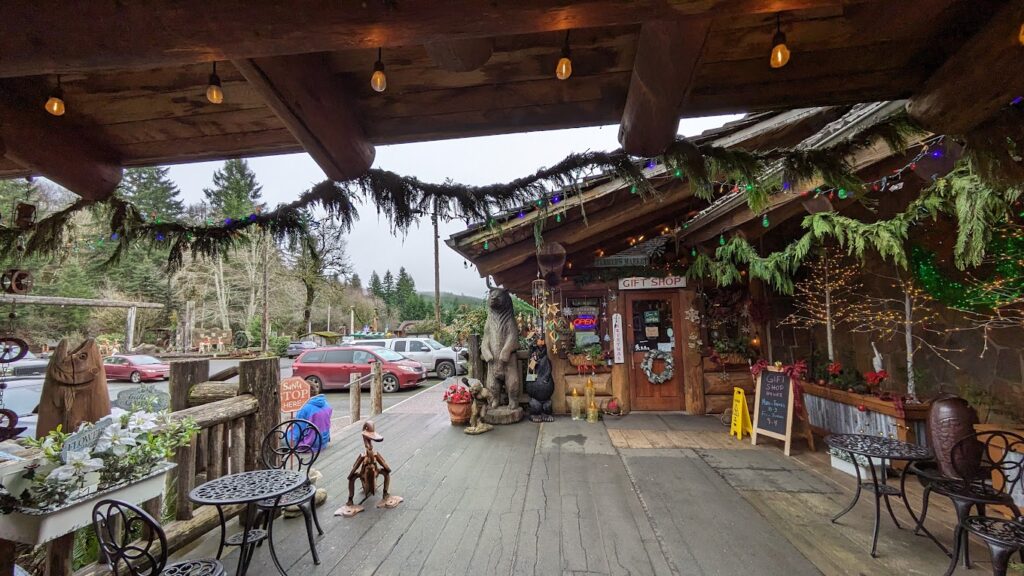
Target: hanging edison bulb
(55,103)
(379,80)
(564,68)
(214,92)
(1020,35)
(780,52)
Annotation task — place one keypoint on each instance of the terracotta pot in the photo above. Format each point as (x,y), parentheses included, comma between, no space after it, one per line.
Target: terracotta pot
(459,413)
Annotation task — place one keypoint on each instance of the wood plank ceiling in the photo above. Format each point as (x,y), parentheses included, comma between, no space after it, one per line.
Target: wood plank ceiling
(134,75)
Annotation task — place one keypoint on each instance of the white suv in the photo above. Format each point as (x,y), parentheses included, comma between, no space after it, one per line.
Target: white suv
(434,356)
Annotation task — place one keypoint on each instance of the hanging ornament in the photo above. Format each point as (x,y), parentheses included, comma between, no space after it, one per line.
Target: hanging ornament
(24,215)
(16,281)
(765,222)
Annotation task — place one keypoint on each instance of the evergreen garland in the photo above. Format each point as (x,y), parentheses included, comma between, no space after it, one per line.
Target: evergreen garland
(405,199)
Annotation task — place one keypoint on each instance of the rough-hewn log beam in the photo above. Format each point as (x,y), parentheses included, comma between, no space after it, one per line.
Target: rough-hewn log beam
(963,92)
(50,146)
(316,108)
(461,55)
(666,59)
(105,34)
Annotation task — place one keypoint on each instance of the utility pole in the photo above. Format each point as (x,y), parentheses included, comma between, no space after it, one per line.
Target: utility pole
(437,270)
(328,313)
(351,319)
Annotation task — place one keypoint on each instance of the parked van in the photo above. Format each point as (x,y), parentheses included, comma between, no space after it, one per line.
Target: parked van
(435,357)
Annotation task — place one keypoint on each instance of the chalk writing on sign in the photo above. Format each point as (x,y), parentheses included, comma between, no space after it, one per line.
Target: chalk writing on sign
(773,404)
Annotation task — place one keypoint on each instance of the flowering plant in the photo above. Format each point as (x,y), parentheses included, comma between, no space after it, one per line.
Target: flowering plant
(876,378)
(128,449)
(835,368)
(457,394)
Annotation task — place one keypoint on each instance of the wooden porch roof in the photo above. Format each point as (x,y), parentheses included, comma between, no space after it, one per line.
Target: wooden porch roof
(617,220)
(296,75)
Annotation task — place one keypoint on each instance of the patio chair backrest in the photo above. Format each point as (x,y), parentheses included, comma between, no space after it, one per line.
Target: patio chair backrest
(991,456)
(130,540)
(293,445)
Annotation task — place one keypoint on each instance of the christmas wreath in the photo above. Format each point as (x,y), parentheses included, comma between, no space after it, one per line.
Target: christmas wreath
(648,366)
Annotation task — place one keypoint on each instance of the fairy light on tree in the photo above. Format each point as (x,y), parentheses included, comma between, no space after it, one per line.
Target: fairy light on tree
(909,315)
(824,297)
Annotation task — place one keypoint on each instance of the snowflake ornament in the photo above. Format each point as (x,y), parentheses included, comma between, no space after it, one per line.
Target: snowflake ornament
(693,315)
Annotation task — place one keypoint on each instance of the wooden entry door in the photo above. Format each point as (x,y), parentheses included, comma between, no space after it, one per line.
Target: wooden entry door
(654,324)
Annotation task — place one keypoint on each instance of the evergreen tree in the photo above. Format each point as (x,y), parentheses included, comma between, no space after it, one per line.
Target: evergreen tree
(355,282)
(376,286)
(235,193)
(388,286)
(153,192)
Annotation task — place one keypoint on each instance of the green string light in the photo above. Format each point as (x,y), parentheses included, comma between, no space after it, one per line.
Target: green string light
(721,239)
(558,217)
(632,189)
(842,194)
(765,222)
(487,245)
(693,252)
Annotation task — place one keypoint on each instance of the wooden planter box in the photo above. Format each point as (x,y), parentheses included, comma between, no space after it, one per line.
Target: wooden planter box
(37,527)
(837,411)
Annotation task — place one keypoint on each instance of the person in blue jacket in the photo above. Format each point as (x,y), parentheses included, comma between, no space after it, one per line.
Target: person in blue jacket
(319,412)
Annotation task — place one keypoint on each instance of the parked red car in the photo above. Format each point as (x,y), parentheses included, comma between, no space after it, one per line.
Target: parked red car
(135,367)
(329,368)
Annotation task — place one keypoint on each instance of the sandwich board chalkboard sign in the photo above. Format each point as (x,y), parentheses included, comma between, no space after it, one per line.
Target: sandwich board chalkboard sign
(773,407)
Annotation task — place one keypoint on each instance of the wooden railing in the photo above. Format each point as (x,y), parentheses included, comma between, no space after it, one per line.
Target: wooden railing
(233,419)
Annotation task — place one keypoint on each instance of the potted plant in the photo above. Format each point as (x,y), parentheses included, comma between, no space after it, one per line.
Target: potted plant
(123,457)
(459,402)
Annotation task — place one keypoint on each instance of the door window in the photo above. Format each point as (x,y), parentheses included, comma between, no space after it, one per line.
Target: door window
(362,357)
(400,346)
(313,357)
(338,357)
(652,326)
(418,346)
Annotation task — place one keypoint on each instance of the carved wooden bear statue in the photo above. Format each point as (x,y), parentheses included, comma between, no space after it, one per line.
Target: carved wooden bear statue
(498,348)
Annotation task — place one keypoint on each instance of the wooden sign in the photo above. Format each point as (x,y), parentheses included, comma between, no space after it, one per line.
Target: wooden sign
(145,397)
(638,283)
(740,415)
(618,354)
(84,440)
(621,261)
(294,394)
(773,407)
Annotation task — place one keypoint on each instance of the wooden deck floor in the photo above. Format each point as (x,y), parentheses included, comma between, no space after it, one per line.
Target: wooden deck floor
(644,494)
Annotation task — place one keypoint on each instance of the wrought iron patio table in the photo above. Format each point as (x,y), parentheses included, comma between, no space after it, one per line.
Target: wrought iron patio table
(881,448)
(248,488)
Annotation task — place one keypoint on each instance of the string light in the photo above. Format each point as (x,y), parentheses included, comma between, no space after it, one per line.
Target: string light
(214,91)
(780,52)
(721,239)
(564,68)
(379,80)
(765,222)
(55,103)
(1020,35)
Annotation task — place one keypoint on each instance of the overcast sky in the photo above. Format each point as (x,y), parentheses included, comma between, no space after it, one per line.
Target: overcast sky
(479,161)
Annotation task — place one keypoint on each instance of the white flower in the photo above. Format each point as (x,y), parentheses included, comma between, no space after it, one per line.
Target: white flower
(78,464)
(115,439)
(141,421)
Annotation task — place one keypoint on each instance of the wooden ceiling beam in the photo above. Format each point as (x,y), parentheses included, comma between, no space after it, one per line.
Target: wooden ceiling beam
(52,147)
(963,92)
(460,55)
(316,108)
(666,62)
(107,35)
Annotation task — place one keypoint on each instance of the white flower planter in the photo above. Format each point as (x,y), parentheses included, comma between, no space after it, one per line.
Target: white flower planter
(865,472)
(36,527)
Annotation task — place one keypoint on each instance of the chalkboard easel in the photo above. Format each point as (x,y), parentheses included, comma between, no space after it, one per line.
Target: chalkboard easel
(773,407)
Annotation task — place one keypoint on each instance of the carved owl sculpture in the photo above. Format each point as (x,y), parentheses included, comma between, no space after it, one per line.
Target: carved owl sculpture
(75,389)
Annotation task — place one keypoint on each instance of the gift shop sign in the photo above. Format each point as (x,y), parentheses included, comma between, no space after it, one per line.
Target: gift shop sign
(639,283)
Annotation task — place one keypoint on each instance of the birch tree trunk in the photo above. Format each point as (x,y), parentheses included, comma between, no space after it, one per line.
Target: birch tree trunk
(908,334)
(221,292)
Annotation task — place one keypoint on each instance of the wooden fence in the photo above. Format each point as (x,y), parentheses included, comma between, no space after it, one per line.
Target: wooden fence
(233,419)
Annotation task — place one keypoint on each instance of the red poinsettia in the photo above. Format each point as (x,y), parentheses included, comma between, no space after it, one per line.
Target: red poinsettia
(835,368)
(457,394)
(876,378)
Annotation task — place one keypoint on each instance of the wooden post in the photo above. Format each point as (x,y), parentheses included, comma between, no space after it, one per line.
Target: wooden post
(184,375)
(376,387)
(237,449)
(354,393)
(476,364)
(215,454)
(693,368)
(129,330)
(260,377)
(186,479)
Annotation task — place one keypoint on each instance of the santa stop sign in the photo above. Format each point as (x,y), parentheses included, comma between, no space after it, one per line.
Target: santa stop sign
(294,394)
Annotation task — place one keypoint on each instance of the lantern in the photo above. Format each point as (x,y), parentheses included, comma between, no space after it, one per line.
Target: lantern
(576,405)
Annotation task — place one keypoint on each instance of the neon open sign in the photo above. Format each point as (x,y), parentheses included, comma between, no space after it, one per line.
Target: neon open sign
(585,322)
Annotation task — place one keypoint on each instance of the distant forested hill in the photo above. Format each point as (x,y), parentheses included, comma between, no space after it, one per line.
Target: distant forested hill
(449,299)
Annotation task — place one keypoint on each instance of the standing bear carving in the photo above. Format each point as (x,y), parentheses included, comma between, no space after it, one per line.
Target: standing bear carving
(498,348)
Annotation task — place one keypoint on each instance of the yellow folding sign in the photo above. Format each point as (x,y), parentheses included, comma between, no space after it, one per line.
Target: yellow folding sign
(740,415)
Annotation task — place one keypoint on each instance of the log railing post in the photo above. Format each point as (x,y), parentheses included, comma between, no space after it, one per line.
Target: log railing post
(184,375)
(260,377)
(476,363)
(376,388)
(354,397)
(186,479)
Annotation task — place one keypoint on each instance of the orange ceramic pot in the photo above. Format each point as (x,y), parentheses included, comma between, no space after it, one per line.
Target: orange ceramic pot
(459,413)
